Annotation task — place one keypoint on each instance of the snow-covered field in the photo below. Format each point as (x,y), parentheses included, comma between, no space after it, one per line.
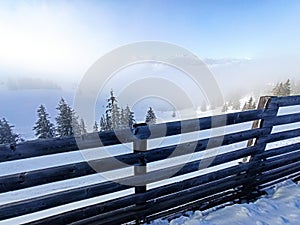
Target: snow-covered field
(280,206)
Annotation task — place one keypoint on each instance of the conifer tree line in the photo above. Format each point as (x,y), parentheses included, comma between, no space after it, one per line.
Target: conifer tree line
(68,122)
(250,104)
(282,89)
(236,105)
(116,117)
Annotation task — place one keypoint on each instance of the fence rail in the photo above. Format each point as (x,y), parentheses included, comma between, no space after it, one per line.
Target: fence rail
(213,177)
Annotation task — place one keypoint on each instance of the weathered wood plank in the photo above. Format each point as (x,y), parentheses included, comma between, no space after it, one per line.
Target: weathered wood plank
(286,119)
(279,151)
(279,161)
(65,144)
(277,164)
(186,126)
(296,178)
(267,185)
(283,101)
(51,200)
(279,173)
(281,136)
(69,171)
(28,179)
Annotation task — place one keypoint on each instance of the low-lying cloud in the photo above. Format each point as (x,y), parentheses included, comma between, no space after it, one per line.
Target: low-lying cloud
(28,83)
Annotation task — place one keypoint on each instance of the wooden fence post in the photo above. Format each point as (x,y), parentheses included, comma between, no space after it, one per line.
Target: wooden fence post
(262,104)
(141,168)
(270,112)
(140,145)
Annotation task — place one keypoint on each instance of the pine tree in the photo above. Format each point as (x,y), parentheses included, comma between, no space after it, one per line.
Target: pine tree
(108,112)
(275,90)
(250,104)
(95,127)
(225,107)
(103,123)
(82,126)
(282,89)
(287,88)
(43,127)
(150,116)
(129,117)
(76,128)
(64,119)
(115,116)
(123,120)
(112,113)
(7,136)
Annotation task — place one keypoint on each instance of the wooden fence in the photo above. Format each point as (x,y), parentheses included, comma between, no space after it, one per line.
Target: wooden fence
(227,168)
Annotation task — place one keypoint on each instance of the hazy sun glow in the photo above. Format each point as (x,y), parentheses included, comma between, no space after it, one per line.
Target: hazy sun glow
(44,39)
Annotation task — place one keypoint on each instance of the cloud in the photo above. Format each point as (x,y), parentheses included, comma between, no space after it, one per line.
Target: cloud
(28,83)
(225,61)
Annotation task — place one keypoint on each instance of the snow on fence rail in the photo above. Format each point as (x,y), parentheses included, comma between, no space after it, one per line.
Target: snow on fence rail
(224,179)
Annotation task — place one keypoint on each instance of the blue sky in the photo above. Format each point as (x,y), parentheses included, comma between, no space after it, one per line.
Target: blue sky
(66,37)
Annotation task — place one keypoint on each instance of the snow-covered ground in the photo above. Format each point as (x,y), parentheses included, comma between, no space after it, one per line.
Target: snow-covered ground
(280,206)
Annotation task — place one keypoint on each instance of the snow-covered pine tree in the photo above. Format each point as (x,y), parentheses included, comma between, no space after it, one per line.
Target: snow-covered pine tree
(250,104)
(253,105)
(64,119)
(43,127)
(129,117)
(115,116)
(108,112)
(82,126)
(150,116)
(76,126)
(225,107)
(282,89)
(112,113)
(275,90)
(95,127)
(103,123)
(7,136)
(287,88)
(123,120)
